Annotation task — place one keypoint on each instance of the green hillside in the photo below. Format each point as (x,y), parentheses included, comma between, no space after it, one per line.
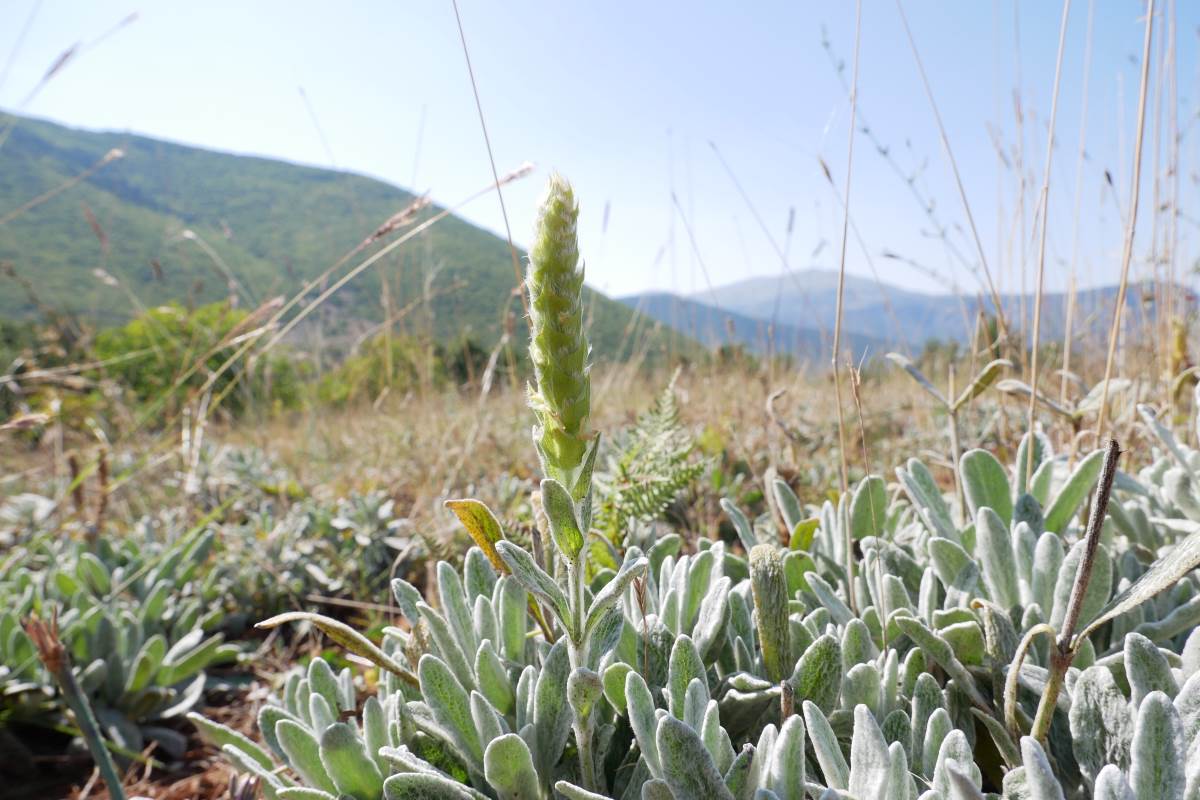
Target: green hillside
(274,224)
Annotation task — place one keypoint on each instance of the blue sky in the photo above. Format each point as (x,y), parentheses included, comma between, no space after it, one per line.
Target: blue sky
(624,98)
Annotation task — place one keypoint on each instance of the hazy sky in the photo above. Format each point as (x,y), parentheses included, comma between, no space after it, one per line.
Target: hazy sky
(624,98)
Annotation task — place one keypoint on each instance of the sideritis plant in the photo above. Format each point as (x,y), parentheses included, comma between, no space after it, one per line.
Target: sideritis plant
(777,673)
(558,346)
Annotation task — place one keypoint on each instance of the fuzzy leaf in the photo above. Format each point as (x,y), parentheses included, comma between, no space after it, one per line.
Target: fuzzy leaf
(482,526)
(687,767)
(985,378)
(303,754)
(551,714)
(572,792)
(826,748)
(1074,491)
(375,733)
(684,667)
(426,786)
(939,650)
(788,504)
(936,731)
(994,549)
(985,484)
(1147,669)
(709,629)
(1098,589)
(1111,785)
(870,760)
(868,509)
(613,679)
(614,589)
(1158,764)
(1047,568)
(817,674)
(785,772)
(923,492)
(446,644)
(906,364)
(344,635)
(956,753)
(302,793)
(220,735)
(1041,455)
(353,772)
(954,566)
(1101,725)
(742,525)
(508,767)
(450,704)
(1181,560)
(860,686)
(657,789)
(926,698)
(801,537)
(564,527)
(643,720)
(510,603)
(1039,777)
(961,786)
(493,678)
(534,579)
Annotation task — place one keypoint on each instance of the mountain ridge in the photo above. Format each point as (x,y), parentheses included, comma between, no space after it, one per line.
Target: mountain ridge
(885,313)
(272,224)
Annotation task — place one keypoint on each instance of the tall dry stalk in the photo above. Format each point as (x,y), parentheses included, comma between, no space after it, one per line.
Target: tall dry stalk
(1081,154)
(841,291)
(1167,311)
(487,141)
(962,192)
(1127,250)
(1044,205)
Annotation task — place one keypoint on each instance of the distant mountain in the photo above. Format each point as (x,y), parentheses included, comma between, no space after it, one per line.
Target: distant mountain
(713,327)
(272,224)
(805,303)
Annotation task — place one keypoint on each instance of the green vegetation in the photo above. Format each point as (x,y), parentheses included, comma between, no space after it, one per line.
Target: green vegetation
(678,609)
(271,225)
(169,352)
(913,646)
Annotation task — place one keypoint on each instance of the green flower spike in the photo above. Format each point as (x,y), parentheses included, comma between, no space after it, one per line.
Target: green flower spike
(558,346)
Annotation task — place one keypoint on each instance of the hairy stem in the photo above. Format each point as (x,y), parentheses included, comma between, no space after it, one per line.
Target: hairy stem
(587,759)
(1014,673)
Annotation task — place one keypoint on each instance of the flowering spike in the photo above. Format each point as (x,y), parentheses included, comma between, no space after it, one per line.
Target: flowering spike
(558,346)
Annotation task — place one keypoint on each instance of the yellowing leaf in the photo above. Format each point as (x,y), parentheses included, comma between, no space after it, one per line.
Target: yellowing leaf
(483,527)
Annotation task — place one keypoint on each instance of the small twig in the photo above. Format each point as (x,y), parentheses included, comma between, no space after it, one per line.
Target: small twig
(54,656)
(787,701)
(1099,510)
(855,386)
(76,483)
(102,495)
(775,418)
(1065,648)
(339,601)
